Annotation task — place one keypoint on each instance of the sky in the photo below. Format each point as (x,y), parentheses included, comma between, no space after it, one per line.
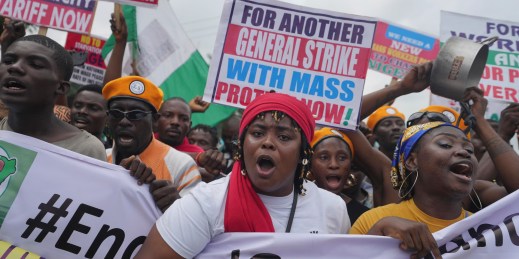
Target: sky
(200,19)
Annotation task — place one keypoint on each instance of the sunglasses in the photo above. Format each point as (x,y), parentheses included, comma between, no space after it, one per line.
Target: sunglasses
(431,116)
(130,115)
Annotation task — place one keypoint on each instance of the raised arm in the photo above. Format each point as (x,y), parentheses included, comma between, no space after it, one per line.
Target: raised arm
(377,168)
(502,154)
(507,128)
(114,68)
(12,30)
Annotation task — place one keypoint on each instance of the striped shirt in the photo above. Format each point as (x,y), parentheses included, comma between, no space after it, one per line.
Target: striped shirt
(168,163)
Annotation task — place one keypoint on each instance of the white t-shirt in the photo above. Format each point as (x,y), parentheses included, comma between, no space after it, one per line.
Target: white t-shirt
(191,222)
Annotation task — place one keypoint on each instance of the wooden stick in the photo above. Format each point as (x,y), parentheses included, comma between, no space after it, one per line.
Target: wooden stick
(117,15)
(93,15)
(42,30)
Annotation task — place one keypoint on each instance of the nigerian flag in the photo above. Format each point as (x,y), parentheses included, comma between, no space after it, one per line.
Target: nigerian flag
(165,55)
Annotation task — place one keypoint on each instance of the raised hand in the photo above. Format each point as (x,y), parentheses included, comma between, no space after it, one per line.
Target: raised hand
(121,33)
(13,30)
(418,78)
(198,105)
(509,121)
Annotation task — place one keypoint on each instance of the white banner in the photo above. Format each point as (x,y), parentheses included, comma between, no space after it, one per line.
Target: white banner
(286,245)
(490,233)
(320,57)
(60,204)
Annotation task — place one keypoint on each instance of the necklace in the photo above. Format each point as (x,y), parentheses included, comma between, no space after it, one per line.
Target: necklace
(292,213)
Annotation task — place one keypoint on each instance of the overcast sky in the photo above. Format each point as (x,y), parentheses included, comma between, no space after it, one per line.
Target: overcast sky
(200,19)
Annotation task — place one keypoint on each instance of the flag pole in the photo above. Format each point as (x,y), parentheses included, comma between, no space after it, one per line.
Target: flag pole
(117,15)
(43,30)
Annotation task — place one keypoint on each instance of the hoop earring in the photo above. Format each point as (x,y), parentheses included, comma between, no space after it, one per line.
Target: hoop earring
(351,180)
(479,200)
(310,176)
(243,172)
(412,186)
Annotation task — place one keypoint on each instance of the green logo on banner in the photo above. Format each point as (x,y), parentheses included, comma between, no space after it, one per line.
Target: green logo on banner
(7,168)
(15,162)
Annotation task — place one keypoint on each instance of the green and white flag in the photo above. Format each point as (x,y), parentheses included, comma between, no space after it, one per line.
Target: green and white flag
(165,55)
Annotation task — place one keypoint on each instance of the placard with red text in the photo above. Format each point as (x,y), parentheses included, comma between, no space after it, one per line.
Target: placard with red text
(93,71)
(67,15)
(320,57)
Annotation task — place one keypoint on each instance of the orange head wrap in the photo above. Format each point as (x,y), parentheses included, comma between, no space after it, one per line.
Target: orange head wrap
(134,87)
(449,113)
(326,132)
(382,113)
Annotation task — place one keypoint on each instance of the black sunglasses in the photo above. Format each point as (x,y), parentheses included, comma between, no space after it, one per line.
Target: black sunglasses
(130,115)
(432,116)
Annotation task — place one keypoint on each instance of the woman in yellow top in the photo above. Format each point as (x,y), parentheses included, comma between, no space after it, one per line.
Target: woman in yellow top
(432,171)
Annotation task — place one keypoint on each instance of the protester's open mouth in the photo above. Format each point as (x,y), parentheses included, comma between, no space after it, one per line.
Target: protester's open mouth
(13,85)
(79,121)
(333,181)
(265,165)
(462,170)
(125,139)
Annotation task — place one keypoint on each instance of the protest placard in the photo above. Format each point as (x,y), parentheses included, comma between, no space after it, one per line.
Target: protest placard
(60,204)
(74,16)
(500,80)
(93,71)
(320,57)
(397,49)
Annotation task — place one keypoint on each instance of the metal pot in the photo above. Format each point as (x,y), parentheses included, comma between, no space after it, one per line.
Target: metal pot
(459,65)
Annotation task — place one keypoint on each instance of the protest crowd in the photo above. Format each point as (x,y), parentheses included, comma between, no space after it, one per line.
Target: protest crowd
(270,167)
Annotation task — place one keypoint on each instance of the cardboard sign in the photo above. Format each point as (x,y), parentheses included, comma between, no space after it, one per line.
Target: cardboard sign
(319,57)
(500,80)
(93,71)
(74,16)
(396,49)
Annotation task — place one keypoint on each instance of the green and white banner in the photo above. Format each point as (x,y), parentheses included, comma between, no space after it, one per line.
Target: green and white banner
(60,204)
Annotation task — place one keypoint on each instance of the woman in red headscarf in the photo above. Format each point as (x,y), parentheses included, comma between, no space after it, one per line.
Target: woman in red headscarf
(265,191)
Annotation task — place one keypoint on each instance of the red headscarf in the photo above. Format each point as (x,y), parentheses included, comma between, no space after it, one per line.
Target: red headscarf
(244,210)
